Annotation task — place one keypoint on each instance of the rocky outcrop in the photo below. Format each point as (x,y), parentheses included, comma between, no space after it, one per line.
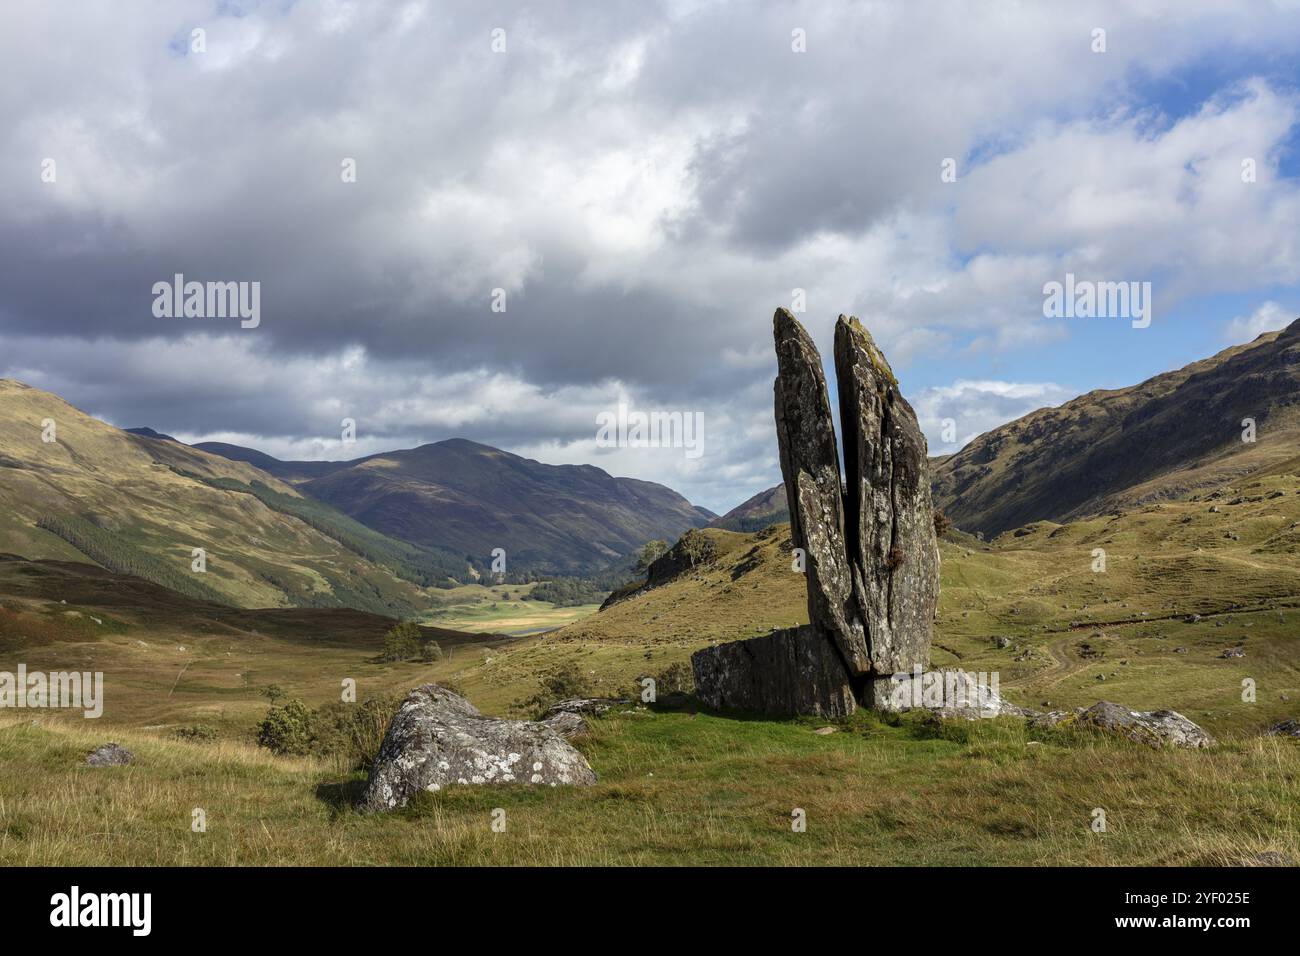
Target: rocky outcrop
(439,739)
(692,550)
(871,558)
(810,464)
(795,670)
(1156,728)
(888,519)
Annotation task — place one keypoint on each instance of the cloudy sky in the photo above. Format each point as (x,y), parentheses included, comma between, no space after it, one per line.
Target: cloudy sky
(646,182)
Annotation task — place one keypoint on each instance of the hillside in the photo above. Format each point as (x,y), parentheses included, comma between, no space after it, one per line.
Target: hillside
(141,504)
(471,499)
(756,513)
(1165,438)
(1184,582)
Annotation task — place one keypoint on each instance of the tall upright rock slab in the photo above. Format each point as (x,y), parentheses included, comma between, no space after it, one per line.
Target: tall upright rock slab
(871,554)
(888,518)
(810,464)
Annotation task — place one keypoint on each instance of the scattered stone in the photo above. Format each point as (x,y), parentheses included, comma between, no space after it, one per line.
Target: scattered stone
(1180,650)
(1002,642)
(438,739)
(1233,652)
(591,706)
(110,755)
(1192,618)
(1270,858)
(567,725)
(824,731)
(1285,728)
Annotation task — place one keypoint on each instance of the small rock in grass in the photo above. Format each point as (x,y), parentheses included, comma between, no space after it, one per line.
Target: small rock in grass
(1285,728)
(110,755)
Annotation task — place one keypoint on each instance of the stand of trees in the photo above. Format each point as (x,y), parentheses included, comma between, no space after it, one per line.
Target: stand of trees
(111,551)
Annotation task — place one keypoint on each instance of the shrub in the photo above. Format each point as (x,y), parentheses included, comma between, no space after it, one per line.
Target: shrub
(430,652)
(564,682)
(286,729)
(942,523)
(273,692)
(352,733)
(675,678)
(199,733)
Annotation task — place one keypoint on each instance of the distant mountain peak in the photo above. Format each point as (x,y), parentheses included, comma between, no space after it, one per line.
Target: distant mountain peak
(144,432)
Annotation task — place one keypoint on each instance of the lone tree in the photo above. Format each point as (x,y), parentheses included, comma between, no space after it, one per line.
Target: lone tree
(650,552)
(402,642)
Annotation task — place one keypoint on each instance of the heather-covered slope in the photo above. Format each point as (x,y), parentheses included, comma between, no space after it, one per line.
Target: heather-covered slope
(1165,438)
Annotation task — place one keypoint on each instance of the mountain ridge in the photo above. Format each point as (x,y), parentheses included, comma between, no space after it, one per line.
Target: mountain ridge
(1166,437)
(99,494)
(472,498)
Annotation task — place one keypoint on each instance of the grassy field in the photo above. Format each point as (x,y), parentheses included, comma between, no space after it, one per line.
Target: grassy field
(673,789)
(500,609)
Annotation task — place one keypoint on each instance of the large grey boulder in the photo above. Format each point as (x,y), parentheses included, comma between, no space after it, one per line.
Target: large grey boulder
(810,464)
(439,739)
(888,518)
(794,670)
(1155,728)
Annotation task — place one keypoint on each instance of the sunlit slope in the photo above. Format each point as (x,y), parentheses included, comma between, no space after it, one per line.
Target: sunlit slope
(152,501)
(1183,583)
